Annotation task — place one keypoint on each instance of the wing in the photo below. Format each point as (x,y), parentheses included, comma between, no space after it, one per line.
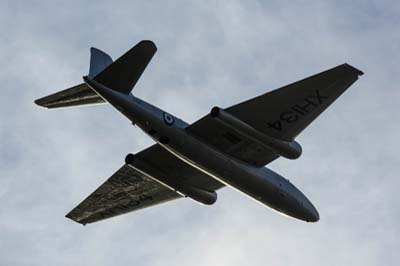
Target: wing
(126,190)
(281,114)
(75,96)
(174,169)
(130,189)
(231,142)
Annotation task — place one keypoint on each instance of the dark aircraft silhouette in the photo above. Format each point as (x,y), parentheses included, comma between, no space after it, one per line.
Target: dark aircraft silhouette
(228,146)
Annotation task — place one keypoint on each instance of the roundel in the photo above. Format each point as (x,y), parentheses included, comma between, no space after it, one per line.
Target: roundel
(168,119)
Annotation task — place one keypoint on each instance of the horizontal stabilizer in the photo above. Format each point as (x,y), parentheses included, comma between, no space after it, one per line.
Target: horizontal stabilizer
(81,94)
(123,74)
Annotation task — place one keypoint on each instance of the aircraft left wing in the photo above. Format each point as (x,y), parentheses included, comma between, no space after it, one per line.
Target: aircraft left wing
(130,189)
(125,191)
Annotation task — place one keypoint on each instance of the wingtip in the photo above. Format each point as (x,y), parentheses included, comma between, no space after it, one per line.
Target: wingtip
(149,43)
(358,71)
(70,216)
(40,103)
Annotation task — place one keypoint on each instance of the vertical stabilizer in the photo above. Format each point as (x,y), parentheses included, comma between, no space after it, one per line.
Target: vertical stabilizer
(99,60)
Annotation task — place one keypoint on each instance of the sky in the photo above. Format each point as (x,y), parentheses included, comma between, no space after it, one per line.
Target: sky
(209,53)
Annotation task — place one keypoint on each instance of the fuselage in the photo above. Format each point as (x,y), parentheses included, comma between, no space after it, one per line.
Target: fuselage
(260,183)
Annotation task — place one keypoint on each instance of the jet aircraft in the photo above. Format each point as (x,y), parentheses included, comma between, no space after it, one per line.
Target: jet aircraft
(227,147)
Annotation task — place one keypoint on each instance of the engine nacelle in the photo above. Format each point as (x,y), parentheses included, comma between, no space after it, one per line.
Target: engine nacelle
(199,195)
(287,149)
(195,193)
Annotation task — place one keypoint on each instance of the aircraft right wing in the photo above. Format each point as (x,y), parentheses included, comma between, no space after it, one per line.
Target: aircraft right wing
(281,114)
(134,188)
(285,112)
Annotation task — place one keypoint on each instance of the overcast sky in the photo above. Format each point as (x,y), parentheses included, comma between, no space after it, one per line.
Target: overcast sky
(209,54)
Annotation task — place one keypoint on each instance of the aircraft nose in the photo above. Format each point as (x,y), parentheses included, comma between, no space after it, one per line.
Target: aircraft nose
(312,214)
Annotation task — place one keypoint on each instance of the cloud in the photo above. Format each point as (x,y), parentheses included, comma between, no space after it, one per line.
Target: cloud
(210,53)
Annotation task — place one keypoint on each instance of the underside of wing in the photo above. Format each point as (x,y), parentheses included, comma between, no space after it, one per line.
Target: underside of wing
(231,142)
(277,116)
(75,96)
(125,191)
(173,169)
(141,184)
(287,111)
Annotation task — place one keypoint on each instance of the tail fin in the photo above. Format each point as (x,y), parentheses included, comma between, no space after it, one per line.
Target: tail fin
(99,60)
(123,74)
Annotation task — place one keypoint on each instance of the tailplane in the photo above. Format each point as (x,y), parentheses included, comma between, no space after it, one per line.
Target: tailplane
(78,95)
(123,74)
